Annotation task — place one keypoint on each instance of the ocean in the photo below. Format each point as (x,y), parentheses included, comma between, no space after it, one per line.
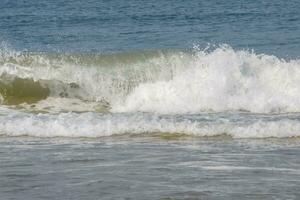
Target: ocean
(149,99)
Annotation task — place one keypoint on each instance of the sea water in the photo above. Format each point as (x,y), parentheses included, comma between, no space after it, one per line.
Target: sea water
(149,100)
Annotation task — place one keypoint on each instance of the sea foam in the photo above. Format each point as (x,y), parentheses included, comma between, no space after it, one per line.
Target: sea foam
(222,80)
(171,82)
(91,124)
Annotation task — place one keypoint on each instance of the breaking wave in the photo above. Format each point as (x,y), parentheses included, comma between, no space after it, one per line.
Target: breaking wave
(92,125)
(208,92)
(169,82)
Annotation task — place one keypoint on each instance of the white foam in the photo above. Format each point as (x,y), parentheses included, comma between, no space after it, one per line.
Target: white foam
(16,123)
(169,83)
(57,105)
(102,77)
(222,80)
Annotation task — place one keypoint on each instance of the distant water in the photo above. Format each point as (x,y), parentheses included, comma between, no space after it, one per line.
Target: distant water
(270,27)
(207,73)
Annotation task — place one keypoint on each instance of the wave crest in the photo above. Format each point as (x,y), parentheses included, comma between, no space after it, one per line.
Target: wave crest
(166,82)
(222,80)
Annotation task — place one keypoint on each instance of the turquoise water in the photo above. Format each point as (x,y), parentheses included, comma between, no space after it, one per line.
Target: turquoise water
(149,100)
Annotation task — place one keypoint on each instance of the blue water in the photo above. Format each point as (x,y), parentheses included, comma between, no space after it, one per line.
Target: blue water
(271,27)
(136,99)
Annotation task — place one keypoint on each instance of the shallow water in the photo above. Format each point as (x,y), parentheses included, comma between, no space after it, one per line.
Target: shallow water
(149,168)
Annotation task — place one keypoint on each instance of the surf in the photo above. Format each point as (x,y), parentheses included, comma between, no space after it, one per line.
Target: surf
(95,125)
(167,82)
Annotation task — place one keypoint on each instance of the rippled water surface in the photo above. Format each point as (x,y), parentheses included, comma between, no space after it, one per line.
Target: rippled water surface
(149,168)
(268,26)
